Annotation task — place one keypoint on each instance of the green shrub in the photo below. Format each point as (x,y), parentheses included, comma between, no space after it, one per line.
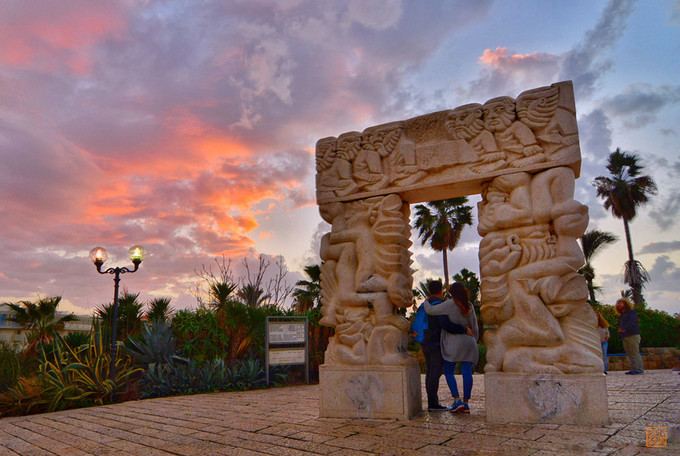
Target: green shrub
(199,335)
(232,331)
(77,339)
(81,377)
(482,358)
(10,365)
(156,345)
(24,397)
(179,378)
(70,377)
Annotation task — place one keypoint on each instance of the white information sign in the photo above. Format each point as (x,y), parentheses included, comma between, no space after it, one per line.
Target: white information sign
(286,333)
(286,356)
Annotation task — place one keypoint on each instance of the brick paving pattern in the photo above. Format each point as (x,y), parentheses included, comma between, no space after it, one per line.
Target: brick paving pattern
(284,422)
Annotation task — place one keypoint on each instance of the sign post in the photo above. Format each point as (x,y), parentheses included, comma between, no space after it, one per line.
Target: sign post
(290,336)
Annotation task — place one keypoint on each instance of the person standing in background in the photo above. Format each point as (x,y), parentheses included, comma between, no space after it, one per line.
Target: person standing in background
(630,335)
(603,331)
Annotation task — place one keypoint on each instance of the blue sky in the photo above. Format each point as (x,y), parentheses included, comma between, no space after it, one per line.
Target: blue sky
(189,127)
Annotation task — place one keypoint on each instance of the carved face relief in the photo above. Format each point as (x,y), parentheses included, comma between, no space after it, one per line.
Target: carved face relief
(348,145)
(383,139)
(325,153)
(465,122)
(499,114)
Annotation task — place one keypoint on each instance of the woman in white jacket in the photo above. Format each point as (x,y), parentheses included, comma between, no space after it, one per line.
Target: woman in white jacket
(458,347)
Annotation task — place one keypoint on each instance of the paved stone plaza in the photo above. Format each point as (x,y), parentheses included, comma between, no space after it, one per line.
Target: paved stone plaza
(284,421)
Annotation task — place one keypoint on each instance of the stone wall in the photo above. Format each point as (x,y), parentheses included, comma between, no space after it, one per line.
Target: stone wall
(652,358)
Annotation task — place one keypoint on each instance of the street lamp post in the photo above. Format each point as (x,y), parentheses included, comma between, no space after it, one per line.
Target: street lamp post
(98,256)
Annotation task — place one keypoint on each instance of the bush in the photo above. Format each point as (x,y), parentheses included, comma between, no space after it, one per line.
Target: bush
(231,332)
(70,378)
(657,328)
(156,345)
(10,365)
(179,378)
(199,336)
(482,358)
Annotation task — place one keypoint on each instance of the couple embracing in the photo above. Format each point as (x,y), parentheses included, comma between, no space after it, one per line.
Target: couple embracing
(450,338)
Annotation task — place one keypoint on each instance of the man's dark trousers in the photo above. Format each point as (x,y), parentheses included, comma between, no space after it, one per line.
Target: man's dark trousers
(434,371)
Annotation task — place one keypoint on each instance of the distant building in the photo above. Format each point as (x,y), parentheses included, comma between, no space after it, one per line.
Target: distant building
(13,332)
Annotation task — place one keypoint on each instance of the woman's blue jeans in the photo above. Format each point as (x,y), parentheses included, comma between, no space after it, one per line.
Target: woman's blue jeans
(466,369)
(605,344)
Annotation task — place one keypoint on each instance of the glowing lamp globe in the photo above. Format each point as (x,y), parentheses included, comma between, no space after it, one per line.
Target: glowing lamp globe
(137,253)
(98,255)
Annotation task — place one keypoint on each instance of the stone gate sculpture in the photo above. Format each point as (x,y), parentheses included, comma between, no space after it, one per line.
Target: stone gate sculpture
(523,156)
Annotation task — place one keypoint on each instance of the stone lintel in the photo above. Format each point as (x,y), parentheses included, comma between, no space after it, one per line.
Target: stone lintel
(579,399)
(453,187)
(451,153)
(391,392)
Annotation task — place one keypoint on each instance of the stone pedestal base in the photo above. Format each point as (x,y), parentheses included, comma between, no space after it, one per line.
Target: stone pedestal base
(370,392)
(546,398)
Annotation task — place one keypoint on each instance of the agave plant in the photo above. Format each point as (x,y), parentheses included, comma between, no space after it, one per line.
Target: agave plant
(25,397)
(75,377)
(157,344)
(172,379)
(248,374)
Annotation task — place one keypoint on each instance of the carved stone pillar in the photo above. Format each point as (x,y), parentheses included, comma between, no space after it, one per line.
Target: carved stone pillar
(366,275)
(544,331)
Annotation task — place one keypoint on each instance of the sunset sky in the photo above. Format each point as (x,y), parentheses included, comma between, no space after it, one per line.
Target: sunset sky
(189,126)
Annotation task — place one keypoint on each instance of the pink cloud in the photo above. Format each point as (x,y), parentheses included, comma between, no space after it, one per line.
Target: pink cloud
(501,58)
(49,36)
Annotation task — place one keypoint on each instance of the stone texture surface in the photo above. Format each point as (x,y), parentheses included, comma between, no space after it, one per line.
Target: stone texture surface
(284,421)
(546,398)
(381,392)
(652,358)
(365,275)
(530,290)
(451,153)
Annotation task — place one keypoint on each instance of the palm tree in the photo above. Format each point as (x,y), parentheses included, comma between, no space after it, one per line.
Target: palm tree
(159,310)
(471,282)
(623,192)
(40,319)
(129,315)
(442,223)
(308,294)
(592,242)
(221,294)
(253,296)
(422,291)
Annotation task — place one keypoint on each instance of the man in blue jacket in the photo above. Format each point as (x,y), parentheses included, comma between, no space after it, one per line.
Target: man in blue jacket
(432,348)
(629,330)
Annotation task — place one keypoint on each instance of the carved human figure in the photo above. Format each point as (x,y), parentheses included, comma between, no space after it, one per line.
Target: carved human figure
(552,122)
(334,165)
(465,123)
(369,171)
(398,164)
(366,274)
(529,256)
(512,137)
